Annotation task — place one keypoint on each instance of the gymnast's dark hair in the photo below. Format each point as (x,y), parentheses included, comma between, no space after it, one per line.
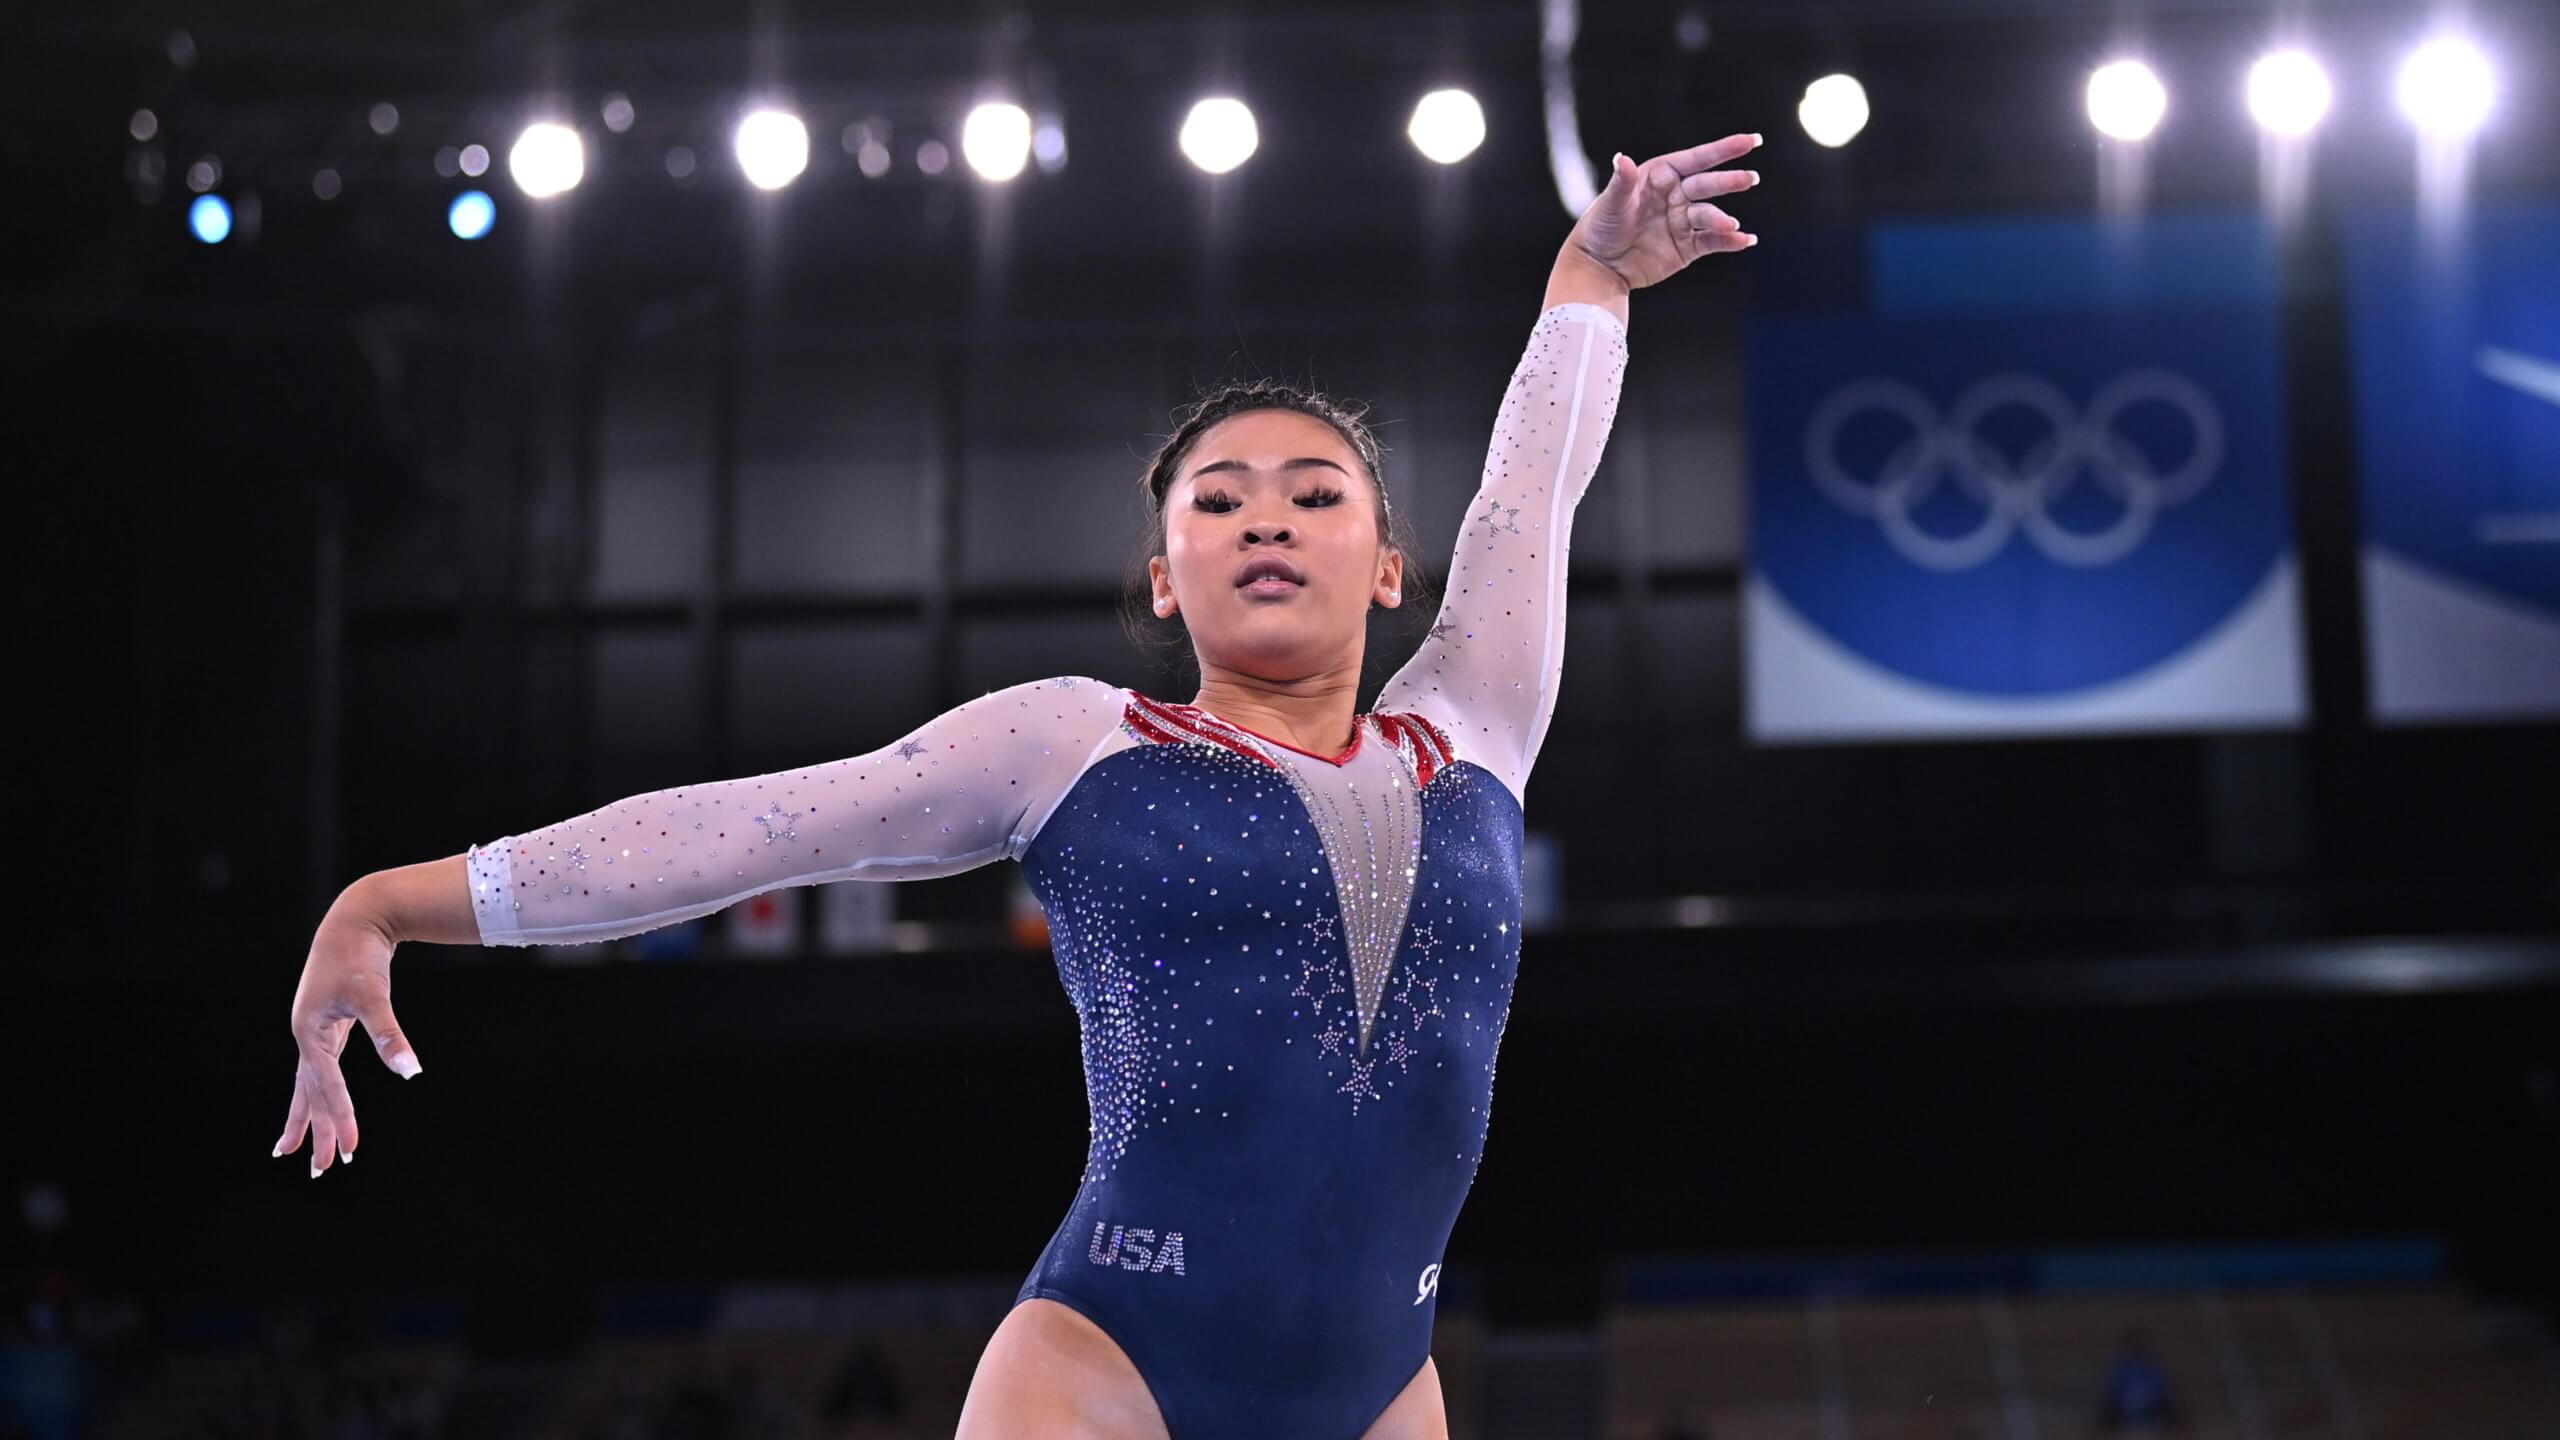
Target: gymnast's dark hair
(1164,638)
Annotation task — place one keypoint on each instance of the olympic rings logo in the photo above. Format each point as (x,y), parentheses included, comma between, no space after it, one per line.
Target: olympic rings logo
(2014,494)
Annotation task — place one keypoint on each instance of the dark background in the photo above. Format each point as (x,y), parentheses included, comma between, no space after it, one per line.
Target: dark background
(349,544)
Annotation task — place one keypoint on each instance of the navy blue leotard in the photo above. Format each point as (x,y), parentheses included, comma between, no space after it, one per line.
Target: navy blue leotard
(1291,971)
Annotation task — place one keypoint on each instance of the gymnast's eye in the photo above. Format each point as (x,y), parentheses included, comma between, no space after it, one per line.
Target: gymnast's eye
(1218,503)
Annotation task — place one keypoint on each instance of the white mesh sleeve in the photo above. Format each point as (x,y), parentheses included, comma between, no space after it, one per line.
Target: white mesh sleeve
(1488,671)
(970,786)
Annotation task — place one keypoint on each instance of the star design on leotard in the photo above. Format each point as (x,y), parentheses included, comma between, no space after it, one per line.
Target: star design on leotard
(1361,1086)
(1424,941)
(1308,970)
(1322,928)
(577,857)
(1066,682)
(777,823)
(1508,513)
(1441,630)
(909,750)
(1430,987)
(1330,1042)
(1398,1051)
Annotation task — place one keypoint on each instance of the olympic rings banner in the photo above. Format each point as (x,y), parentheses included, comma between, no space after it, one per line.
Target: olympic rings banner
(2457,371)
(2045,494)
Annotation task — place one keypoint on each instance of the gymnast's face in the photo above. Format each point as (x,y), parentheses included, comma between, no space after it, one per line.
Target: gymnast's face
(1283,486)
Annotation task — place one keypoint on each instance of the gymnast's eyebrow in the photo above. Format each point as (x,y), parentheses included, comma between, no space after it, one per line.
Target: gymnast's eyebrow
(1301,463)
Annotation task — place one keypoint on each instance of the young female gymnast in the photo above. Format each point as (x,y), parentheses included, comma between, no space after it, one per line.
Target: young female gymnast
(1289,930)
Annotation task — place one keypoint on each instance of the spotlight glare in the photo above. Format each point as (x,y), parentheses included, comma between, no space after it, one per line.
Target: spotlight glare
(1219,134)
(996,140)
(384,118)
(933,157)
(326,185)
(210,218)
(475,160)
(617,112)
(2288,92)
(2446,86)
(1833,110)
(772,148)
(548,159)
(1447,125)
(143,125)
(471,214)
(2126,100)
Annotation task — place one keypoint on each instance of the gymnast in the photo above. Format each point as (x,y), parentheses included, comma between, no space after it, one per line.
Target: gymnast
(1289,928)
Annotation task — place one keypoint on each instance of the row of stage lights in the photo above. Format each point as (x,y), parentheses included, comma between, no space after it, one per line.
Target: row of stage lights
(2445,88)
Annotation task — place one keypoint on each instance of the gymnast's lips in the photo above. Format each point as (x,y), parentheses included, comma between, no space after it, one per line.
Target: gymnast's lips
(1268,566)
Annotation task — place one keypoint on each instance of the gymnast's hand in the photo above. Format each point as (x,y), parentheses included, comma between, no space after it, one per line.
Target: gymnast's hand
(1653,219)
(347,978)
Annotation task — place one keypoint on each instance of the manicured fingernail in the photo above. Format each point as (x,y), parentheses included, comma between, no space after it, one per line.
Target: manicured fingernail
(349,1156)
(278,1150)
(406,1065)
(1749,241)
(315,1169)
(1755,137)
(1755,177)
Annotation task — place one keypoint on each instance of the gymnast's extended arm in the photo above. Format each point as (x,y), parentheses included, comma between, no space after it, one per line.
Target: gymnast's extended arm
(966,788)
(1488,670)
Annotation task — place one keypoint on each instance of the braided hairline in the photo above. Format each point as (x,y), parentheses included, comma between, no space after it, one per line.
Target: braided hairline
(1235,399)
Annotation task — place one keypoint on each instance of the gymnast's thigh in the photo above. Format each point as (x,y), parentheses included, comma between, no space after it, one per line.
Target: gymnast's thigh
(1416,1413)
(1049,1373)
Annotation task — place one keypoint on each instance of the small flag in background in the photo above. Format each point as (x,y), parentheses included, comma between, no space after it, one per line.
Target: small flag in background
(766,924)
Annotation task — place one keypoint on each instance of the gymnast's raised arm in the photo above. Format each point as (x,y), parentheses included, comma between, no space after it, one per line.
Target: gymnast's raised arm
(969,787)
(1488,671)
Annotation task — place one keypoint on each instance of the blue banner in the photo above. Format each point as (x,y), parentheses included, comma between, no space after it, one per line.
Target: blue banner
(2017,513)
(2456,339)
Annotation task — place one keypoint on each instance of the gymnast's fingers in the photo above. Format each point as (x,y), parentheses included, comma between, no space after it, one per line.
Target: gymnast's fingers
(333,1111)
(297,1115)
(1711,154)
(1707,219)
(1717,182)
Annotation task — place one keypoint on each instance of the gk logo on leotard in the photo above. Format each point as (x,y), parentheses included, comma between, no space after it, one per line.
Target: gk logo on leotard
(1428,1286)
(1136,1249)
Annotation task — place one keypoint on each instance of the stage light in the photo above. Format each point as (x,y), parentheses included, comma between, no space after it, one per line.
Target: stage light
(1049,145)
(772,148)
(143,125)
(1447,125)
(471,214)
(996,140)
(210,219)
(933,157)
(547,159)
(2288,92)
(448,161)
(1219,134)
(203,175)
(1833,110)
(680,162)
(326,185)
(475,160)
(384,118)
(2126,100)
(2446,86)
(618,113)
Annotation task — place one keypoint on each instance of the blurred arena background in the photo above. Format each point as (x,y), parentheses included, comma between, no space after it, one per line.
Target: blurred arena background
(2072,619)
